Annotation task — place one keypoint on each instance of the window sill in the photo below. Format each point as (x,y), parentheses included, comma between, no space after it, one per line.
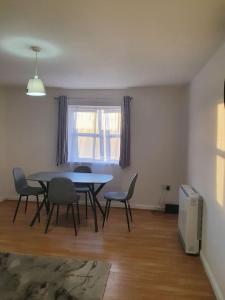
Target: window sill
(94,163)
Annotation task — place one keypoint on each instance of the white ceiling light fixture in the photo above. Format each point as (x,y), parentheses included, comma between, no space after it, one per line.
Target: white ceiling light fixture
(35,86)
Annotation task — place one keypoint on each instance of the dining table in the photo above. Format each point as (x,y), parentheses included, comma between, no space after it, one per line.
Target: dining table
(95,182)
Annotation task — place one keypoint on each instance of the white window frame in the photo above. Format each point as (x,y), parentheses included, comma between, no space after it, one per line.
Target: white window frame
(104,141)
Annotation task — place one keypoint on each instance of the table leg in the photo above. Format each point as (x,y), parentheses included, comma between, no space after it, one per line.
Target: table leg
(92,189)
(47,202)
(38,211)
(45,188)
(99,206)
(95,201)
(44,202)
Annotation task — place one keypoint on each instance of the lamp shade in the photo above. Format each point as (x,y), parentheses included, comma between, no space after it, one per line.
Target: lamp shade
(35,87)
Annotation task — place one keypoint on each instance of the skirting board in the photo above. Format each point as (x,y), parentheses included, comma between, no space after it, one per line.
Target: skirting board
(114,204)
(215,286)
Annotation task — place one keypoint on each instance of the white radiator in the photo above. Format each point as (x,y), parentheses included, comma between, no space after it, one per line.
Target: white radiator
(190,219)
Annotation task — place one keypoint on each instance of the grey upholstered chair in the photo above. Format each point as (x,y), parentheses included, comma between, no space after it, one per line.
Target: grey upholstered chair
(123,197)
(24,190)
(82,188)
(61,191)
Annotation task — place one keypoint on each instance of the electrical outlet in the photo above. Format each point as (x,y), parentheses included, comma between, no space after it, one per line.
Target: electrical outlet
(166,187)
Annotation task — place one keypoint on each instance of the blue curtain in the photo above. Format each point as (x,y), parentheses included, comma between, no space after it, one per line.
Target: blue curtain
(62,136)
(125,133)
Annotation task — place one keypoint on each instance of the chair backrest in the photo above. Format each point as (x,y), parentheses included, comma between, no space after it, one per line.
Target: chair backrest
(19,180)
(61,191)
(132,186)
(82,169)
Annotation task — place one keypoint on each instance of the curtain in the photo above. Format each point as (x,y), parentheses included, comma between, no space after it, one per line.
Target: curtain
(125,133)
(94,133)
(62,136)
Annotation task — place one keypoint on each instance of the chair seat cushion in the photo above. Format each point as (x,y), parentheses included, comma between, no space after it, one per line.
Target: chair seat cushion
(32,191)
(117,196)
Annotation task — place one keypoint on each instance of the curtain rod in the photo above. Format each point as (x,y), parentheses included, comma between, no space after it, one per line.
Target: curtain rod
(88,99)
(82,98)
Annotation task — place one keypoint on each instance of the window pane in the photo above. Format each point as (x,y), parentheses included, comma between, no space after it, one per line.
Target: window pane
(97,149)
(94,133)
(115,148)
(86,122)
(88,147)
(112,122)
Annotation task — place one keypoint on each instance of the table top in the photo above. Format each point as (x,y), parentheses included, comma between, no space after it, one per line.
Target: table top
(73,176)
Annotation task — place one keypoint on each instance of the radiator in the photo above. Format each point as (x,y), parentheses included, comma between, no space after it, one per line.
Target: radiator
(190,219)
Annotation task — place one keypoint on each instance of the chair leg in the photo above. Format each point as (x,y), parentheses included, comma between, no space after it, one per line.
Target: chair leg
(26,204)
(74,220)
(89,194)
(131,217)
(49,218)
(108,210)
(45,203)
(38,209)
(105,214)
(126,209)
(67,211)
(17,207)
(38,212)
(57,215)
(78,211)
(86,208)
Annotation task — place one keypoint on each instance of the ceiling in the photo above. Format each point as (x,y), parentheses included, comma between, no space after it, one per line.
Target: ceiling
(108,43)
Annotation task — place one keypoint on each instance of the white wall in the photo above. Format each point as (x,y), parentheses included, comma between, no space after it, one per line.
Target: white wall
(158,137)
(206,168)
(2,143)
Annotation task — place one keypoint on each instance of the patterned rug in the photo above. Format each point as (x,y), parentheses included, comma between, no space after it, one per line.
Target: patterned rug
(25,277)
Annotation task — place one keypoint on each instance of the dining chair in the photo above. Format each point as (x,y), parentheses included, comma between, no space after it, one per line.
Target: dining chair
(24,190)
(61,191)
(123,197)
(82,188)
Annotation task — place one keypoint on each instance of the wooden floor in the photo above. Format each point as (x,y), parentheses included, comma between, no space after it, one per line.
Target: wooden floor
(147,263)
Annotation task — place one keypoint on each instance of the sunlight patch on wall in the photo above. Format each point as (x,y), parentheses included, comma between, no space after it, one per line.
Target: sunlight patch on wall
(221,127)
(220,171)
(220,158)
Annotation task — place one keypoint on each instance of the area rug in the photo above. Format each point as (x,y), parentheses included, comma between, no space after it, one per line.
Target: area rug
(25,277)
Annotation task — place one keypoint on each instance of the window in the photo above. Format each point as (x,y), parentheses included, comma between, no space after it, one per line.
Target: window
(94,133)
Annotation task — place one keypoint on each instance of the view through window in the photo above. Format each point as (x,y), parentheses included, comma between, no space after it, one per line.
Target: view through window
(94,133)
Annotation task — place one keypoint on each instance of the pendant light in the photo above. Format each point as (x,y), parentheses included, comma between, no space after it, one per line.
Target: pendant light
(35,86)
